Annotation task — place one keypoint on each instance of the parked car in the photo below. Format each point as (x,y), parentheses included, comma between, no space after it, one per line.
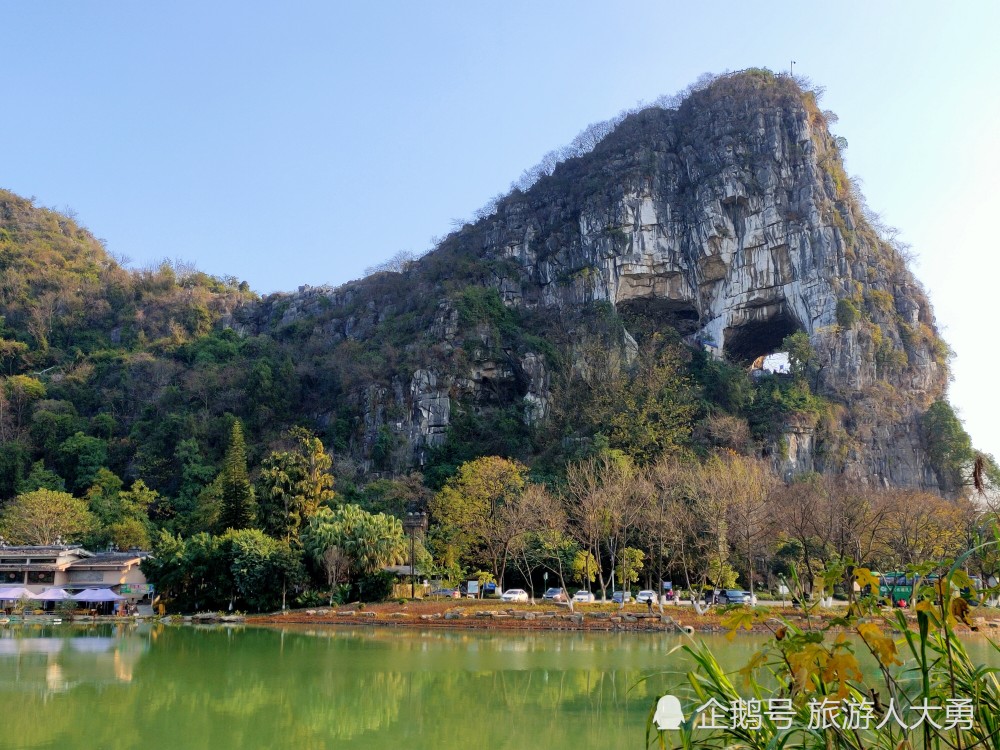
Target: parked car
(751,599)
(583,597)
(514,595)
(619,596)
(555,595)
(447,593)
(646,596)
(734,596)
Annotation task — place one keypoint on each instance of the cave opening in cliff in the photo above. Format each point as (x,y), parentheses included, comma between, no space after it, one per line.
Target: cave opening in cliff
(647,315)
(758,338)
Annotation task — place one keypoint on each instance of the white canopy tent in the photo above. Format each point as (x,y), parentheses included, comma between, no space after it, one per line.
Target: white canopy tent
(14,593)
(52,595)
(97,595)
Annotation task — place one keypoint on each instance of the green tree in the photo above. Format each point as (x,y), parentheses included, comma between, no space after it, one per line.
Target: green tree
(949,446)
(80,458)
(558,552)
(368,541)
(395,496)
(476,511)
(122,515)
(12,353)
(293,485)
(190,574)
(847,313)
(237,493)
(584,568)
(129,533)
(801,354)
(41,478)
(19,392)
(164,568)
(14,461)
(42,516)
(653,411)
(102,496)
(318,483)
(629,566)
(195,477)
(136,501)
(257,562)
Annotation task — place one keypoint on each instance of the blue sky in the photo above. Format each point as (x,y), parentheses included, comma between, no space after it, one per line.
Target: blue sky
(301,142)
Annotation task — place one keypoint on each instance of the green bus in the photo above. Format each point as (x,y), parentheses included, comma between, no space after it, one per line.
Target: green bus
(898,586)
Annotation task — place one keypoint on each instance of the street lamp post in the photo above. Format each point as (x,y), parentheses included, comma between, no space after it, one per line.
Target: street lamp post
(413,523)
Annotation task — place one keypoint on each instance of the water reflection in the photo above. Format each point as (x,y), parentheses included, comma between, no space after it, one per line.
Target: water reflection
(182,687)
(156,686)
(51,660)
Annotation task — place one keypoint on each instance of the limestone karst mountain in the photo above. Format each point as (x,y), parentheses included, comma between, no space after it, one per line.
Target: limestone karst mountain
(619,300)
(730,220)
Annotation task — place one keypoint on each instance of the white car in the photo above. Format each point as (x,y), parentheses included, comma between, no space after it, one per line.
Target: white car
(646,596)
(514,595)
(583,597)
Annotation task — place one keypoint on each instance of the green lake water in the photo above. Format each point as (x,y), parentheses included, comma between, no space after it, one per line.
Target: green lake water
(152,686)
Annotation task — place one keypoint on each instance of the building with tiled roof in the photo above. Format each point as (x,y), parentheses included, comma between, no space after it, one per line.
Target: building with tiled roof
(71,567)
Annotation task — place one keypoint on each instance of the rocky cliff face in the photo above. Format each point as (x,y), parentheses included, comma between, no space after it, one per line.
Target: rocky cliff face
(729,219)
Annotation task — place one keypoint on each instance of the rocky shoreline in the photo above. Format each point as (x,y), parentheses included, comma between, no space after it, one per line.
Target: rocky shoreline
(598,618)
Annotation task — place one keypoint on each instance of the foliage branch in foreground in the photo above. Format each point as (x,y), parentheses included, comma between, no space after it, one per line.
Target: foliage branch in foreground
(929,692)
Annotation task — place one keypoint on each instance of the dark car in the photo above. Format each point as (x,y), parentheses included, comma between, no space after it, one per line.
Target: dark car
(555,595)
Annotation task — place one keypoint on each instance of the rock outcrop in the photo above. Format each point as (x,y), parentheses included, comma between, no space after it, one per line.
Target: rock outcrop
(729,219)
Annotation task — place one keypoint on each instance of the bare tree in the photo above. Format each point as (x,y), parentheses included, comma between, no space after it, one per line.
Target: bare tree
(923,527)
(800,505)
(605,505)
(586,511)
(752,485)
(41,315)
(556,547)
(524,547)
(398,263)
(711,494)
(335,564)
(662,522)
(507,530)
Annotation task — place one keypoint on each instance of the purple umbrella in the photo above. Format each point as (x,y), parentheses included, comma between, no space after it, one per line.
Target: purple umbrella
(97,595)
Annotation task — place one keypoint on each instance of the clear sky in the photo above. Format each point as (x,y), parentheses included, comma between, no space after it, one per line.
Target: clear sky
(298,143)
